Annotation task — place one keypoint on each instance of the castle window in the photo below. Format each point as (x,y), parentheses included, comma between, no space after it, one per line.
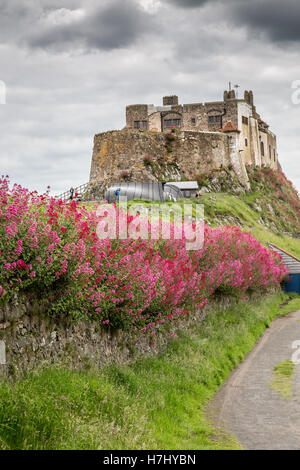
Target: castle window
(140,124)
(270,152)
(245,120)
(172,122)
(213,119)
(193,121)
(274,156)
(262,148)
(246,142)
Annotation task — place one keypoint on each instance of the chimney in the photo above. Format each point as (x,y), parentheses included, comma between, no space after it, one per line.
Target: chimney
(170,100)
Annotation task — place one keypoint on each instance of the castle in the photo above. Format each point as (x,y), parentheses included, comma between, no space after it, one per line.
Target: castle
(182,141)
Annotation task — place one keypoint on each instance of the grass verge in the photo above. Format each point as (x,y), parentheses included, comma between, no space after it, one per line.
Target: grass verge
(152,403)
(282,379)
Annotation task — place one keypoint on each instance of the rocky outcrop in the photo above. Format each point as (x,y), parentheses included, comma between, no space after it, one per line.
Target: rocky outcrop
(138,155)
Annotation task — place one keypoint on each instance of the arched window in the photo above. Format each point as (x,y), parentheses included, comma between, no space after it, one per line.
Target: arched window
(171,120)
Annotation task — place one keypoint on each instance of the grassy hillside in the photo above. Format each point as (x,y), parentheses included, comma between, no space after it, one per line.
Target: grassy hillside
(270,211)
(227,209)
(272,203)
(274,196)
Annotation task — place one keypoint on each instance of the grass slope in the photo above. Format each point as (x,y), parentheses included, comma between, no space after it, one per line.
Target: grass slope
(270,211)
(152,403)
(272,202)
(233,210)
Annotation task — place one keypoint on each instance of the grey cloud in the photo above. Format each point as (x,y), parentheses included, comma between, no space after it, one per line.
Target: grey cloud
(13,18)
(18,19)
(118,24)
(190,3)
(105,25)
(275,19)
(279,20)
(57,102)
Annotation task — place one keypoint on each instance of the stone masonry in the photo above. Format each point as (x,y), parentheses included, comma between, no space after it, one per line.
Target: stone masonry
(29,338)
(134,155)
(176,142)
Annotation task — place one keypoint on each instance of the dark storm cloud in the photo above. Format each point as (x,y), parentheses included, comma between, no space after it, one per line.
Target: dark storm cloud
(277,19)
(73,24)
(117,24)
(19,19)
(189,3)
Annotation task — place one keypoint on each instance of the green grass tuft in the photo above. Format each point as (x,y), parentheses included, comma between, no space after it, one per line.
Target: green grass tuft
(292,305)
(282,379)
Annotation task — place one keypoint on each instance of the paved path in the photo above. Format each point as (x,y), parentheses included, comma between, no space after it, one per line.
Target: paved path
(248,407)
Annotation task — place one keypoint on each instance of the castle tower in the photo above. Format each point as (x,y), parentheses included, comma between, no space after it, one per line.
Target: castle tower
(171,100)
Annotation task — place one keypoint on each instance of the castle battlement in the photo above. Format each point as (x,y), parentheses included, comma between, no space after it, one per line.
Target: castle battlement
(176,141)
(257,143)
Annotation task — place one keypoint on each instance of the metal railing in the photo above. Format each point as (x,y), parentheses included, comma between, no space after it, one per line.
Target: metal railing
(79,191)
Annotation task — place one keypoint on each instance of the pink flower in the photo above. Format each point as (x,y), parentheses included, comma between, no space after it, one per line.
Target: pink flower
(21,265)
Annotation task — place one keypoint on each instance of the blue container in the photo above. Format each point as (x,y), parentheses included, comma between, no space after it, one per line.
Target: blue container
(293,284)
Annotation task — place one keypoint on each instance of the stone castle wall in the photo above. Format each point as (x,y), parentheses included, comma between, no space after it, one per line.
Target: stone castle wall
(137,155)
(194,117)
(257,144)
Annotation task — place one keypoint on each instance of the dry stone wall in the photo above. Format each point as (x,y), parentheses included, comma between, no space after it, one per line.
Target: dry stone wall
(30,339)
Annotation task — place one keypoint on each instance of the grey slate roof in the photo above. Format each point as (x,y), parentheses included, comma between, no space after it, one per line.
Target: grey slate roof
(290,261)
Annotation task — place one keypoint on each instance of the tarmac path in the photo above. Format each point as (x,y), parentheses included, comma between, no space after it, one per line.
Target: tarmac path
(248,407)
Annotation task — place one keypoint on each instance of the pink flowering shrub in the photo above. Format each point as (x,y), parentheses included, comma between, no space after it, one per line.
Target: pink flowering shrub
(50,249)
(235,261)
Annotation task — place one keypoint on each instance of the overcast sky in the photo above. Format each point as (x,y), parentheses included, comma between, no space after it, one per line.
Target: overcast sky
(70,71)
